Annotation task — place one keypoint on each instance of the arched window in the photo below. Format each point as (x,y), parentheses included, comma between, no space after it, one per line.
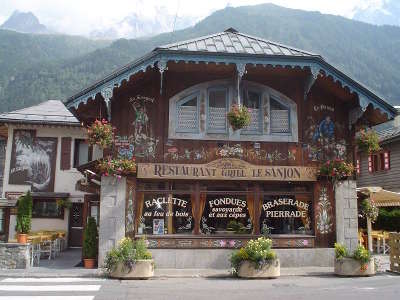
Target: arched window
(280,117)
(187,114)
(217,110)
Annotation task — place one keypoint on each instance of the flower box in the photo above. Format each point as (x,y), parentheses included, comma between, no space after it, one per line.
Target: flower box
(142,269)
(347,266)
(249,269)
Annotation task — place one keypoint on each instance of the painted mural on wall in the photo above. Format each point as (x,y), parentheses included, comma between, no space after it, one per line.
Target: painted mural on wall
(33,161)
(322,134)
(324,213)
(145,143)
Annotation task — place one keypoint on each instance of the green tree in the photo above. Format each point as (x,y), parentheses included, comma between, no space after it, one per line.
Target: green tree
(24,214)
(90,237)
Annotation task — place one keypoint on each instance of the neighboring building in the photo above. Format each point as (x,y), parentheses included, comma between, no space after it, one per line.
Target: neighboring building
(382,168)
(40,147)
(197,179)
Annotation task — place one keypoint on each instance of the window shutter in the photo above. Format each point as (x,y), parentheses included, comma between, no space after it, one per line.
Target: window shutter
(370,163)
(187,115)
(279,117)
(65,153)
(358,167)
(387,160)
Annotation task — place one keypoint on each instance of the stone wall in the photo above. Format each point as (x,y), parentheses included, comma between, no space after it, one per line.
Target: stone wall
(14,256)
(346,214)
(112,216)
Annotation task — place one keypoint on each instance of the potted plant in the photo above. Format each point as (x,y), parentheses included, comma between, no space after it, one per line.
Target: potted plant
(336,170)
(116,166)
(239,117)
(129,260)
(256,260)
(24,217)
(100,133)
(369,210)
(368,141)
(89,250)
(359,263)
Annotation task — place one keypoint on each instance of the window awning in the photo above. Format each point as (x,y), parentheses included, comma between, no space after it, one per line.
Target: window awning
(381,197)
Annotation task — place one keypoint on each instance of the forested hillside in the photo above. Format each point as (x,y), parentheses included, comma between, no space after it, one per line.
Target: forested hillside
(366,52)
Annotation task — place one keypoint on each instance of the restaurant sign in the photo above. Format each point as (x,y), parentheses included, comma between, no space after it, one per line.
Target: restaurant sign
(226,169)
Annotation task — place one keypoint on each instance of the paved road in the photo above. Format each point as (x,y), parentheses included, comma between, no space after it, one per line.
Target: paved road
(292,287)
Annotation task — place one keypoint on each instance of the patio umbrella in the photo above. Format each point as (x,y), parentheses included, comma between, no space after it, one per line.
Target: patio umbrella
(381,198)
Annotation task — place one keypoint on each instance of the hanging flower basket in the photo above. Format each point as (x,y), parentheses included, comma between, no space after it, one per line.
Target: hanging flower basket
(116,167)
(239,117)
(336,170)
(369,210)
(100,133)
(368,141)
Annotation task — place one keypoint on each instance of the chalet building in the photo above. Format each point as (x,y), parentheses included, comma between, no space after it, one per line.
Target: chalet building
(39,152)
(382,168)
(201,188)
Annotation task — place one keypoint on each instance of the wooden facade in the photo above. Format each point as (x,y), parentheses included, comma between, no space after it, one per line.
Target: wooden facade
(294,211)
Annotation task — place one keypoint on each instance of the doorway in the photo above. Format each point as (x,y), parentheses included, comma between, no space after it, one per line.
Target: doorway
(76,225)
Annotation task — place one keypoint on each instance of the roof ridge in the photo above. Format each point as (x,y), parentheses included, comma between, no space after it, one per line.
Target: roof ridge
(189,40)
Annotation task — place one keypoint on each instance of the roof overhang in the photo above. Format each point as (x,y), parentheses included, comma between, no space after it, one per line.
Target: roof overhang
(160,57)
(381,197)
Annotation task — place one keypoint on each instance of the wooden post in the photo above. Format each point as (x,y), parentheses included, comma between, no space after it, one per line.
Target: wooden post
(257,211)
(196,203)
(369,231)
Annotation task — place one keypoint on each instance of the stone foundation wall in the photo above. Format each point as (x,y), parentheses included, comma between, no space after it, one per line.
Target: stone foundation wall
(14,256)
(219,258)
(346,214)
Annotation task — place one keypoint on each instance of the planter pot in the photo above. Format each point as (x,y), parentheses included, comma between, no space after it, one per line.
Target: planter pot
(89,263)
(351,267)
(234,134)
(143,269)
(248,269)
(22,238)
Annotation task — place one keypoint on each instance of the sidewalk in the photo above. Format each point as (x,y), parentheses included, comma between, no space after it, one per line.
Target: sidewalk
(66,266)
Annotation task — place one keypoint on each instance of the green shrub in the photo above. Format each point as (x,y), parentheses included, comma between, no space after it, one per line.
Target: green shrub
(24,213)
(388,220)
(90,237)
(257,251)
(360,254)
(340,251)
(127,252)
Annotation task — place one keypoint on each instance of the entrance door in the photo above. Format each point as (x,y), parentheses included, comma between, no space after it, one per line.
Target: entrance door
(76,225)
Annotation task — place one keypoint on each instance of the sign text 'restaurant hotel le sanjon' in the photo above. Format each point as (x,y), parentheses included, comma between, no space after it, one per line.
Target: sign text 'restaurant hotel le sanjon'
(225,169)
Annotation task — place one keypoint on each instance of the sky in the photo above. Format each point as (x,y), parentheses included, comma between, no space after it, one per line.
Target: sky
(83,16)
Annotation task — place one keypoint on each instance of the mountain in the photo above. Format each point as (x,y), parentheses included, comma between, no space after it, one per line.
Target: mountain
(25,22)
(138,25)
(387,13)
(365,52)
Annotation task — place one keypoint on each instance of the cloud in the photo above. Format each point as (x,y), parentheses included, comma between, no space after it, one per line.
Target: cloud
(83,16)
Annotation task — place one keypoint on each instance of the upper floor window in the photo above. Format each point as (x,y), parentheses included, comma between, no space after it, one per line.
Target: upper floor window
(379,162)
(252,100)
(280,118)
(200,113)
(217,110)
(187,114)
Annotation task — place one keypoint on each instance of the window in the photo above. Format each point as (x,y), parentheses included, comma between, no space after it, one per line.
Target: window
(358,166)
(46,208)
(279,115)
(379,162)
(2,219)
(187,114)
(252,100)
(161,214)
(286,215)
(225,214)
(217,110)
(81,152)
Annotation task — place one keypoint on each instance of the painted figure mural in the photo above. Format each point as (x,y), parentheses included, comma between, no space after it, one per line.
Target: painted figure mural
(144,143)
(33,161)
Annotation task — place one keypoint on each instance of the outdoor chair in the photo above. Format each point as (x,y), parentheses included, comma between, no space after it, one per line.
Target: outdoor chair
(35,251)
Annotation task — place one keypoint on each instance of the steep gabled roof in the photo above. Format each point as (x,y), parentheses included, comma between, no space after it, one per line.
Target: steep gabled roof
(48,112)
(232,41)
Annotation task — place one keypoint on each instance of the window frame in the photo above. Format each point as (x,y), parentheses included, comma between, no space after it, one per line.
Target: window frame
(51,200)
(377,162)
(260,113)
(274,98)
(212,89)
(182,101)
